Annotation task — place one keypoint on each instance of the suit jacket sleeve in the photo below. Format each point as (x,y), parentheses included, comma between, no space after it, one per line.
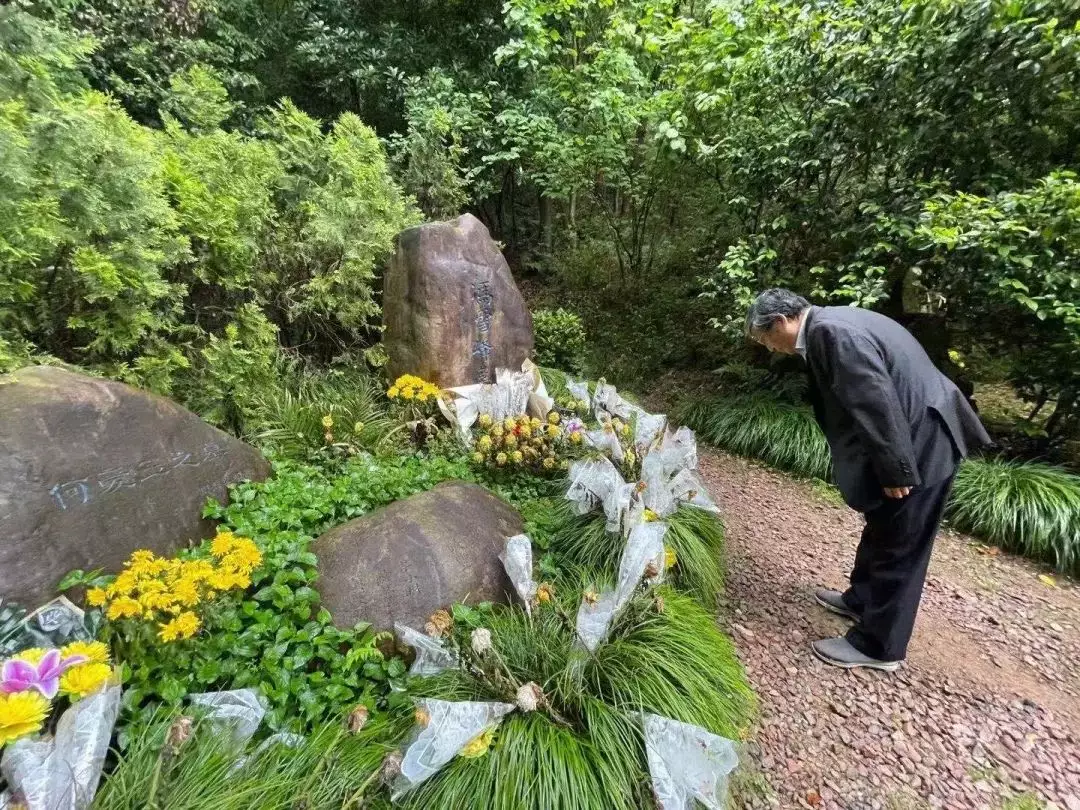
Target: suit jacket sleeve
(857,377)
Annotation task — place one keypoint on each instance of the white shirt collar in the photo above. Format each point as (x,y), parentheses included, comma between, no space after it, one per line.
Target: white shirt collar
(800,339)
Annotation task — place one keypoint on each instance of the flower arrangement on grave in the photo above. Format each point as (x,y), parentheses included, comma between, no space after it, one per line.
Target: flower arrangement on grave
(35,681)
(539,445)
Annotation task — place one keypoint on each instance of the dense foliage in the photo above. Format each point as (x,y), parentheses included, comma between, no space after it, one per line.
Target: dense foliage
(180,258)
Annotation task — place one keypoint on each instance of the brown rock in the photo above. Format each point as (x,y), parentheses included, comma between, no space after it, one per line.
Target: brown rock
(452,311)
(91,470)
(404,562)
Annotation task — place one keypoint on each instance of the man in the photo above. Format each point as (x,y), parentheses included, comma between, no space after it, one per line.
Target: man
(897,428)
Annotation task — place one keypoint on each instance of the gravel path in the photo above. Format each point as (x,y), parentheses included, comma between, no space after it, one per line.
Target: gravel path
(986,709)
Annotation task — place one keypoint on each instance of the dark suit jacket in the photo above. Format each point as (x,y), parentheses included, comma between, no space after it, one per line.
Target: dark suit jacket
(890,417)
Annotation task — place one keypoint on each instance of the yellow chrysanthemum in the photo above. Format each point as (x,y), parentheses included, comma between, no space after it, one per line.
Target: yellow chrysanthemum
(485,420)
(478,458)
(554,431)
(85,679)
(185,625)
(152,602)
(650,516)
(484,443)
(31,655)
(553,418)
(141,556)
(478,745)
(21,713)
(545,592)
(392,392)
(222,544)
(198,570)
(244,558)
(500,459)
(96,597)
(93,651)
(575,437)
(186,592)
(670,557)
(124,607)
(328,421)
(517,456)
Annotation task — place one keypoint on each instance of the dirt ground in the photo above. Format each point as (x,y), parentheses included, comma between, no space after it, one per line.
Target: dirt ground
(985,713)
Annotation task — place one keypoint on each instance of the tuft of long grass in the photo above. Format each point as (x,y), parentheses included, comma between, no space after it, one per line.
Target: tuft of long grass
(665,655)
(696,536)
(536,764)
(1027,507)
(323,772)
(289,417)
(780,433)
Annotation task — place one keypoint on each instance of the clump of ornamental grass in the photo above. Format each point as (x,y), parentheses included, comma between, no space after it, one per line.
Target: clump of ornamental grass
(1026,507)
(580,744)
(782,434)
(694,539)
(174,762)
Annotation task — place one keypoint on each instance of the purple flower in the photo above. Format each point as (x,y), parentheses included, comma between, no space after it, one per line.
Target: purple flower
(574,425)
(20,676)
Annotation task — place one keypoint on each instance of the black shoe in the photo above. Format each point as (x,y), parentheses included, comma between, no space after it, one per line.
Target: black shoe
(839,652)
(834,601)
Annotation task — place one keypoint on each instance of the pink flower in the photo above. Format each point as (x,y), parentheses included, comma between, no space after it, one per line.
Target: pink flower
(19,676)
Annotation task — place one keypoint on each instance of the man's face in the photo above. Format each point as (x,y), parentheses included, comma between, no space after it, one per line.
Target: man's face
(781,337)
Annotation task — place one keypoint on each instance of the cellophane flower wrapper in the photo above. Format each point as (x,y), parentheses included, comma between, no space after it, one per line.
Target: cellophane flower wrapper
(687,487)
(656,493)
(644,545)
(592,483)
(679,450)
(431,656)
(606,400)
(513,393)
(54,624)
(63,773)
(606,441)
(687,764)
(237,712)
(451,725)
(648,430)
(579,391)
(517,560)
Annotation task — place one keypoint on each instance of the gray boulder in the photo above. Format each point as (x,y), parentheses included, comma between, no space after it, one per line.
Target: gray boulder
(452,311)
(407,560)
(91,470)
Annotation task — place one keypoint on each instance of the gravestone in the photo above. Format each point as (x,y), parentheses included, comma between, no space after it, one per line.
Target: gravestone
(452,311)
(91,470)
(407,560)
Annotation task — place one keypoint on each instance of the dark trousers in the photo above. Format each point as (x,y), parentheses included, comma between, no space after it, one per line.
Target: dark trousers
(890,569)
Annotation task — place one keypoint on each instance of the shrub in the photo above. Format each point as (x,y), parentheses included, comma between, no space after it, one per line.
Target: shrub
(1027,507)
(780,433)
(560,339)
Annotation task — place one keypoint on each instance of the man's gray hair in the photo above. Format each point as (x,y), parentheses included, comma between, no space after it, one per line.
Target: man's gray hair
(770,305)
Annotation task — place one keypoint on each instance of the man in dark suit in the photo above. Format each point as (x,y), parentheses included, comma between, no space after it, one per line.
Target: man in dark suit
(897,429)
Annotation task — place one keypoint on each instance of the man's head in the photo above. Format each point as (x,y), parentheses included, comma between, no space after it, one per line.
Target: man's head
(774,319)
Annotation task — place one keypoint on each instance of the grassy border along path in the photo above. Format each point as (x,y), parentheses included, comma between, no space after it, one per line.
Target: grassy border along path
(1027,507)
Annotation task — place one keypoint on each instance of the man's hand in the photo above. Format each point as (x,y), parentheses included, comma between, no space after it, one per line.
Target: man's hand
(897,492)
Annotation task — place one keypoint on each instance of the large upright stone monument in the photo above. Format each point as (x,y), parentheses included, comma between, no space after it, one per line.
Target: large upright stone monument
(452,311)
(91,470)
